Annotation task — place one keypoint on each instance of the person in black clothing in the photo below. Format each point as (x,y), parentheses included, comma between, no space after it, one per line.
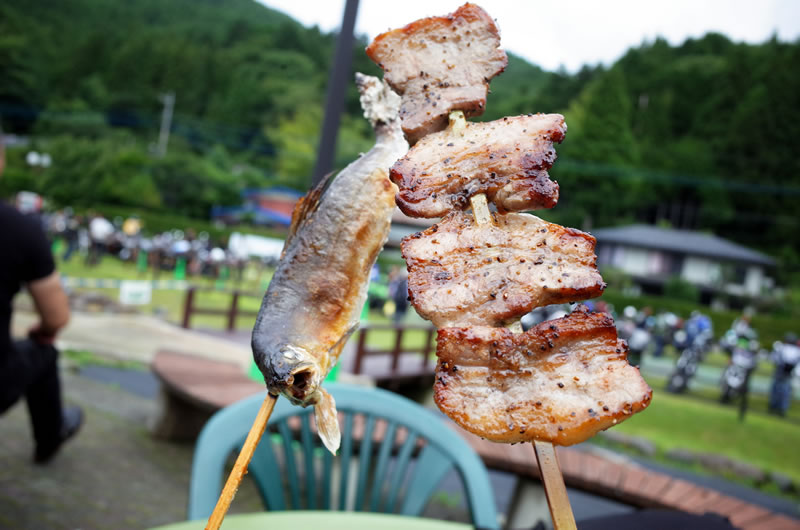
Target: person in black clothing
(71,233)
(29,368)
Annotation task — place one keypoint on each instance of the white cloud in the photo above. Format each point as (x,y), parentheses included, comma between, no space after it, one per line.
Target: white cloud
(573,33)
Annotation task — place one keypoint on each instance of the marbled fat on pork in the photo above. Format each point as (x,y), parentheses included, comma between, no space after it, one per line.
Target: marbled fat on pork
(562,381)
(440,64)
(505,159)
(462,274)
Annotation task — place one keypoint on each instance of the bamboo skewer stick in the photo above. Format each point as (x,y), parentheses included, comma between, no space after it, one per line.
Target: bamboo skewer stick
(242,461)
(554,488)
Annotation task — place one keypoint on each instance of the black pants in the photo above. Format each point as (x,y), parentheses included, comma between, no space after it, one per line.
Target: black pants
(31,370)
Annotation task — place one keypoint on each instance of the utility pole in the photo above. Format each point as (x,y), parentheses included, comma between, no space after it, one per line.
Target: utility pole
(337,86)
(168,100)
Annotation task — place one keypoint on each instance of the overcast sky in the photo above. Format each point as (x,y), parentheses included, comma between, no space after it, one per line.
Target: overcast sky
(574,32)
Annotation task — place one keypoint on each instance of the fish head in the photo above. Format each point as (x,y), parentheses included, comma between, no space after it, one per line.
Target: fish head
(292,371)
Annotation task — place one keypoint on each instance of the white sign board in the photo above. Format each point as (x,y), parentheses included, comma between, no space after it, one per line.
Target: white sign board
(249,245)
(135,292)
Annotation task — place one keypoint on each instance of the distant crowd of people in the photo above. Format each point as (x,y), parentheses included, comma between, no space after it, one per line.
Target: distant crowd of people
(93,236)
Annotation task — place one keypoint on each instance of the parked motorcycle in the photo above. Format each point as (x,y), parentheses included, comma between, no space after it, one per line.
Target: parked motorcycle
(664,327)
(693,341)
(633,329)
(736,376)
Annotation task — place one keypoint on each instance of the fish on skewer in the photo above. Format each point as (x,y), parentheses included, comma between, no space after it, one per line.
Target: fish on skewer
(461,273)
(315,297)
(505,159)
(440,64)
(562,381)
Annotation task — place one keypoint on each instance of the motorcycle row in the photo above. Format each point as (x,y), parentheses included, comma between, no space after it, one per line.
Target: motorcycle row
(692,339)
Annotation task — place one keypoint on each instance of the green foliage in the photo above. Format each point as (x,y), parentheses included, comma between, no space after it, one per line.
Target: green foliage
(616,278)
(600,131)
(701,135)
(521,83)
(73,118)
(295,139)
(679,289)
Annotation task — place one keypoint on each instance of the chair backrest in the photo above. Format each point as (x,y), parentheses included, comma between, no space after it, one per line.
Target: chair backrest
(393,454)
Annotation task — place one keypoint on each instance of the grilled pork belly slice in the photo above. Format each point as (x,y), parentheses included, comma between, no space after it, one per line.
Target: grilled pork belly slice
(506,159)
(461,274)
(562,381)
(440,64)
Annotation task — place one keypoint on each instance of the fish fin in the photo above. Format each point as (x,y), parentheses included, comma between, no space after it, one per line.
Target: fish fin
(328,422)
(336,349)
(305,208)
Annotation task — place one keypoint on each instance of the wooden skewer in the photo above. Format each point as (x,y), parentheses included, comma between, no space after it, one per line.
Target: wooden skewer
(242,461)
(554,488)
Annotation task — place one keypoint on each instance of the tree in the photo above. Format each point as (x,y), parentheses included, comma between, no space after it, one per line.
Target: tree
(599,150)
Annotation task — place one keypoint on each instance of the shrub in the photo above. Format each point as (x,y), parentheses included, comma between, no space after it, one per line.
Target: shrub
(679,289)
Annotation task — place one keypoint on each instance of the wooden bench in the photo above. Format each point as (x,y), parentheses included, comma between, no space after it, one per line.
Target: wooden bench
(628,483)
(400,365)
(192,389)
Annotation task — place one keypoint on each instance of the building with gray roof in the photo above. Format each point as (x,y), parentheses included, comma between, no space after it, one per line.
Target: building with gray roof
(651,255)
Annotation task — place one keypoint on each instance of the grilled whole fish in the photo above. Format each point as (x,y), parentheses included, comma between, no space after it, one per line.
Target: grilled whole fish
(315,298)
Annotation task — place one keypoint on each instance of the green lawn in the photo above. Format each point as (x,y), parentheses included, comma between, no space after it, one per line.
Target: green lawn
(111,268)
(698,425)
(170,302)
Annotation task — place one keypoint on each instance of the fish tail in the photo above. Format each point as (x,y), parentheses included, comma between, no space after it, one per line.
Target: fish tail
(327,421)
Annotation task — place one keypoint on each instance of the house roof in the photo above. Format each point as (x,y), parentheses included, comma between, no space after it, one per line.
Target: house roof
(684,241)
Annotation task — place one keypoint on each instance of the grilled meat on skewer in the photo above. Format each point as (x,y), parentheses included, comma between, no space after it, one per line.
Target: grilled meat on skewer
(506,159)
(562,381)
(462,274)
(315,297)
(440,64)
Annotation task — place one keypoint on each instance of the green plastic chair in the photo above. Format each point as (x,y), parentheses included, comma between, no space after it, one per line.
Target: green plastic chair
(379,483)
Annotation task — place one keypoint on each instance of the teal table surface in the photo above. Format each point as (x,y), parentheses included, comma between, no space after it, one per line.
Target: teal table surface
(300,520)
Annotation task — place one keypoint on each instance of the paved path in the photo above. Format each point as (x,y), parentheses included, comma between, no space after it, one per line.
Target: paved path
(112,475)
(136,337)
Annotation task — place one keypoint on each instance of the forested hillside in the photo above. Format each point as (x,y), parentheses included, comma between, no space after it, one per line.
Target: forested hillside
(702,135)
